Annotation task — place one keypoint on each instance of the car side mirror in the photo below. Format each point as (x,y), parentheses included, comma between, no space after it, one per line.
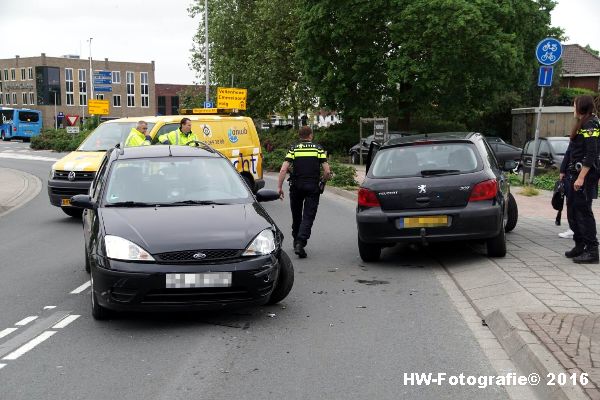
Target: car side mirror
(509,165)
(266,195)
(83,201)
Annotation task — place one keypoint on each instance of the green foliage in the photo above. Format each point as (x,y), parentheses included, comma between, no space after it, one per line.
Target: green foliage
(545,181)
(515,179)
(344,176)
(272,160)
(91,123)
(529,191)
(566,96)
(57,140)
(594,52)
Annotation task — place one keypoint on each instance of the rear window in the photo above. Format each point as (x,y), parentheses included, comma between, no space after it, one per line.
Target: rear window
(28,116)
(559,146)
(425,159)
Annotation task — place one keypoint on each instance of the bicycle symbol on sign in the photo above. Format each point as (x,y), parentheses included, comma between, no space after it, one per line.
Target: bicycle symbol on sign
(548,56)
(550,46)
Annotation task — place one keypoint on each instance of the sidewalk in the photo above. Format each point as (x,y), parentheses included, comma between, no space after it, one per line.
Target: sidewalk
(16,189)
(543,308)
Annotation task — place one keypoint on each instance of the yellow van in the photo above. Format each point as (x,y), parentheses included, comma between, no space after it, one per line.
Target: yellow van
(234,136)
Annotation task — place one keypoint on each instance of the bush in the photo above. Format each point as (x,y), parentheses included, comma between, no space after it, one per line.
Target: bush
(344,176)
(566,96)
(545,181)
(272,160)
(57,140)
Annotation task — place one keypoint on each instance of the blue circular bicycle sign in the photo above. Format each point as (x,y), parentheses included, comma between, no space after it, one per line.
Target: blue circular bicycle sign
(548,51)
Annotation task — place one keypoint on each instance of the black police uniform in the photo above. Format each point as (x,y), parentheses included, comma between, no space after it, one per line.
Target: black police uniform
(306,159)
(583,152)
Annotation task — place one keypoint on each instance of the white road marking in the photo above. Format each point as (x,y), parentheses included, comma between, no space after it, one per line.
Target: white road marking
(81,288)
(27,320)
(29,345)
(7,332)
(66,321)
(49,307)
(17,156)
(2,366)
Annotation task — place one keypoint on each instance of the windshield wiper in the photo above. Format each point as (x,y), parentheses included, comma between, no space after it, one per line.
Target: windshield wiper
(132,204)
(198,202)
(430,172)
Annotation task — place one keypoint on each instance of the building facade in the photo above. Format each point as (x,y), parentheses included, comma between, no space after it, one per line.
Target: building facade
(580,68)
(169,97)
(63,85)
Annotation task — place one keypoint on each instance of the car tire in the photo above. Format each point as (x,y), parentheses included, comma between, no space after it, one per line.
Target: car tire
(98,312)
(369,251)
(72,211)
(355,158)
(512,214)
(285,280)
(496,246)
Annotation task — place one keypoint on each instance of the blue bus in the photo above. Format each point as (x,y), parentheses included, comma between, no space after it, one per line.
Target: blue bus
(19,123)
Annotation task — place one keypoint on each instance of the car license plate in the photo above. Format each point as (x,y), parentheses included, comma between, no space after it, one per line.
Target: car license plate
(65,202)
(429,221)
(206,280)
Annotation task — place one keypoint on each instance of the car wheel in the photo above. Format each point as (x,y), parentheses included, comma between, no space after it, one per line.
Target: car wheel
(355,158)
(98,312)
(285,281)
(72,211)
(87,261)
(512,214)
(369,251)
(496,246)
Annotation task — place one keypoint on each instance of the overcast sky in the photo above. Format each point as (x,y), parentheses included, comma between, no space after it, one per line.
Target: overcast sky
(161,30)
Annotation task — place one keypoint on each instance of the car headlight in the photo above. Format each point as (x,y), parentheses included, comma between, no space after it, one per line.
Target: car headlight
(122,249)
(52,172)
(263,244)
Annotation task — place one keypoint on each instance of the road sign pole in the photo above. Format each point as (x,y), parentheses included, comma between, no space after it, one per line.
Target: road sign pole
(537,137)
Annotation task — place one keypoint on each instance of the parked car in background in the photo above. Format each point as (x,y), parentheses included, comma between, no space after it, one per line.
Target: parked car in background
(363,147)
(432,188)
(551,152)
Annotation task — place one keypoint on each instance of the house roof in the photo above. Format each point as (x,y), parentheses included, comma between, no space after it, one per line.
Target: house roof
(578,61)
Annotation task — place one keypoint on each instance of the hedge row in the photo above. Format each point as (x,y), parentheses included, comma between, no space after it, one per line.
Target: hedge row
(57,140)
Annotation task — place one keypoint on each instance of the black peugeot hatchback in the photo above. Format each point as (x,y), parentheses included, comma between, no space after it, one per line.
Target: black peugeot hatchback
(176,228)
(434,187)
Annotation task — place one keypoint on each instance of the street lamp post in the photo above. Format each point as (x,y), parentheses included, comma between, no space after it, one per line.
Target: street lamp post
(91,73)
(206,50)
(55,114)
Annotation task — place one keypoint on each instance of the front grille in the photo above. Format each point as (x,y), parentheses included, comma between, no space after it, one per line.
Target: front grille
(196,296)
(210,256)
(79,175)
(68,191)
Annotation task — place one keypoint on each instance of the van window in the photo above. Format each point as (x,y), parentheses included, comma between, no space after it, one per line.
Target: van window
(164,129)
(107,135)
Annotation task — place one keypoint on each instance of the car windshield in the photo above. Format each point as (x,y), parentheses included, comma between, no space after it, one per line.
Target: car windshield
(559,146)
(174,181)
(425,160)
(108,134)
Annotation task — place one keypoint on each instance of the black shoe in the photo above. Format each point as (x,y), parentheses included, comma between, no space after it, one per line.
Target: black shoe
(588,257)
(299,249)
(575,251)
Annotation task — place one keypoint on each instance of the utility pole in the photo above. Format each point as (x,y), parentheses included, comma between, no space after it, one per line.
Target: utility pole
(91,73)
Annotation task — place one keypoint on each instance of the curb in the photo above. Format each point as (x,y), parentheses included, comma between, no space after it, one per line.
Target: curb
(24,187)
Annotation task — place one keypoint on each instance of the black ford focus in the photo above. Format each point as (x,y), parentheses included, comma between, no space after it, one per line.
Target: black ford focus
(436,187)
(176,227)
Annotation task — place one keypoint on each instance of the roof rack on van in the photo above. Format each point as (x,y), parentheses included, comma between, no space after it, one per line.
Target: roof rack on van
(209,111)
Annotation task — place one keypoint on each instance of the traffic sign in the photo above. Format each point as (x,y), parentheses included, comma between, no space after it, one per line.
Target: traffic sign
(72,119)
(209,104)
(102,74)
(545,76)
(72,129)
(231,98)
(548,51)
(98,107)
(102,81)
(102,88)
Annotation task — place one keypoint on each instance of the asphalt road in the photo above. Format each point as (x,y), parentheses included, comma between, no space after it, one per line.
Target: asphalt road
(348,330)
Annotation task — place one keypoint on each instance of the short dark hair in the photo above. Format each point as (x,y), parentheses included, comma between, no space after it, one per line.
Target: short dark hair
(305,132)
(183,121)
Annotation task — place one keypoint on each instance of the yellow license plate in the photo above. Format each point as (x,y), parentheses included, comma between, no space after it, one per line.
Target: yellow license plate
(65,202)
(423,222)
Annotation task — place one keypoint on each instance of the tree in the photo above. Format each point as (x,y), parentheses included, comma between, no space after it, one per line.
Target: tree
(594,52)
(253,42)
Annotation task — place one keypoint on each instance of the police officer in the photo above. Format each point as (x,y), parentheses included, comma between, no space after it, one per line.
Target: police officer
(180,137)
(138,136)
(582,181)
(306,159)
